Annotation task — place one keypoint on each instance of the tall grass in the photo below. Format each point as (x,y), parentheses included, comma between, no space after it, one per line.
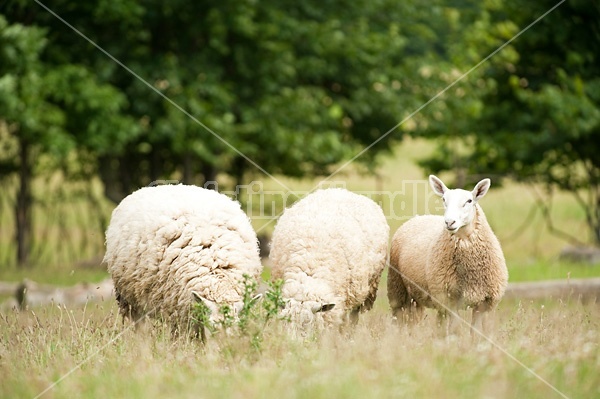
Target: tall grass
(68,221)
(537,350)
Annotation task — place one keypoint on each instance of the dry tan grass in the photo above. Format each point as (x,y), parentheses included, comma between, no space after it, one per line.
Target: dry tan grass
(535,350)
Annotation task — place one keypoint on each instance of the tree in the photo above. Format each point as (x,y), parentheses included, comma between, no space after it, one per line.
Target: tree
(213,87)
(532,112)
(45,111)
(293,87)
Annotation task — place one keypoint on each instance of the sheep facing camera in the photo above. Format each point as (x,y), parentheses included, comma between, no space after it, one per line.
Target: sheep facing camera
(163,183)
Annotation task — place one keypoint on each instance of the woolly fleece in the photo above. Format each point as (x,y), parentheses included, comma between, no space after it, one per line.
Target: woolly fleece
(329,248)
(165,242)
(456,271)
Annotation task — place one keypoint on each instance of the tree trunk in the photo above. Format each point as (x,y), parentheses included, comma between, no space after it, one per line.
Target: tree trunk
(596,226)
(107,169)
(237,171)
(188,168)
(23,206)
(209,171)
(157,162)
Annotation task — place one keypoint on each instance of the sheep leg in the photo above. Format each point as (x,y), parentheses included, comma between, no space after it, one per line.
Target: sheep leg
(446,320)
(372,296)
(400,301)
(200,332)
(415,312)
(354,316)
(479,316)
(128,312)
(443,322)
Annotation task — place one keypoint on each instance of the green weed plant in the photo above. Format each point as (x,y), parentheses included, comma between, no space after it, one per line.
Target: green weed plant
(246,329)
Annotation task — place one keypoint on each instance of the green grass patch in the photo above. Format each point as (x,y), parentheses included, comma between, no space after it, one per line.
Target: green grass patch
(54,274)
(551,270)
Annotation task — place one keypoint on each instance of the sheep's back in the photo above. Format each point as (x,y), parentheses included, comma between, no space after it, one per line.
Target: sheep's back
(163,242)
(334,236)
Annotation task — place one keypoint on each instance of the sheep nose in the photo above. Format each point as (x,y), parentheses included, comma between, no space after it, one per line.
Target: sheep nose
(450,223)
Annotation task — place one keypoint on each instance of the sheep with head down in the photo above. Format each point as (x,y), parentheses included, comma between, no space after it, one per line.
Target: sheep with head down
(447,262)
(329,249)
(169,247)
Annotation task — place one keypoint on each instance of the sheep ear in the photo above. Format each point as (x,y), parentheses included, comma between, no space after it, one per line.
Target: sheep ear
(196,296)
(324,308)
(437,185)
(256,298)
(212,306)
(481,189)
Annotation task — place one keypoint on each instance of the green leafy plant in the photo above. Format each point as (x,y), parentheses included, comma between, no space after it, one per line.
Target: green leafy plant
(247,328)
(273,300)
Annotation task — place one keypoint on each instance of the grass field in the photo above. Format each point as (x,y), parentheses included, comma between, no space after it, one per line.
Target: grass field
(535,349)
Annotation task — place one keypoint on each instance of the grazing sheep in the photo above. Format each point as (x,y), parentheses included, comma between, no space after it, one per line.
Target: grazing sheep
(447,262)
(170,246)
(330,249)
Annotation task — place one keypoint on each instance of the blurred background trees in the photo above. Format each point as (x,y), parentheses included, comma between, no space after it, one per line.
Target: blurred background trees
(532,113)
(296,87)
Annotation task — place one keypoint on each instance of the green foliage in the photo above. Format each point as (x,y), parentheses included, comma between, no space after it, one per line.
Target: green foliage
(24,106)
(532,112)
(274,301)
(48,113)
(200,317)
(251,322)
(295,87)
(55,107)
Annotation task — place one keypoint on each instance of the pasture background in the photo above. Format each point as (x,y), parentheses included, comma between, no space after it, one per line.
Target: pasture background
(69,242)
(557,340)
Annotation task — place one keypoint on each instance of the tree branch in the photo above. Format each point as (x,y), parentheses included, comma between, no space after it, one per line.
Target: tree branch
(519,230)
(546,213)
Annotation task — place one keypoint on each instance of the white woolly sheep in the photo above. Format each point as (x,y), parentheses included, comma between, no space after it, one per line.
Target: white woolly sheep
(447,262)
(169,246)
(330,249)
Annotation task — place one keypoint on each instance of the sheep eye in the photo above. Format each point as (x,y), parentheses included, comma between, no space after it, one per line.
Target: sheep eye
(468,201)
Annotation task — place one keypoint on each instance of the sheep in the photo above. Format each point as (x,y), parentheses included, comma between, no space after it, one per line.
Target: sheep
(330,249)
(169,247)
(447,262)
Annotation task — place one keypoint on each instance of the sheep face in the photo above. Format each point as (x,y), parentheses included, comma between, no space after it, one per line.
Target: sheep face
(306,316)
(460,205)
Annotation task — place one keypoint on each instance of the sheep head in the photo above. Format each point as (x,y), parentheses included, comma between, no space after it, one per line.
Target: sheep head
(460,205)
(307,316)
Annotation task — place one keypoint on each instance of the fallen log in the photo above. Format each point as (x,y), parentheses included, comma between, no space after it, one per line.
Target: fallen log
(579,254)
(8,287)
(587,289)
(29,293)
